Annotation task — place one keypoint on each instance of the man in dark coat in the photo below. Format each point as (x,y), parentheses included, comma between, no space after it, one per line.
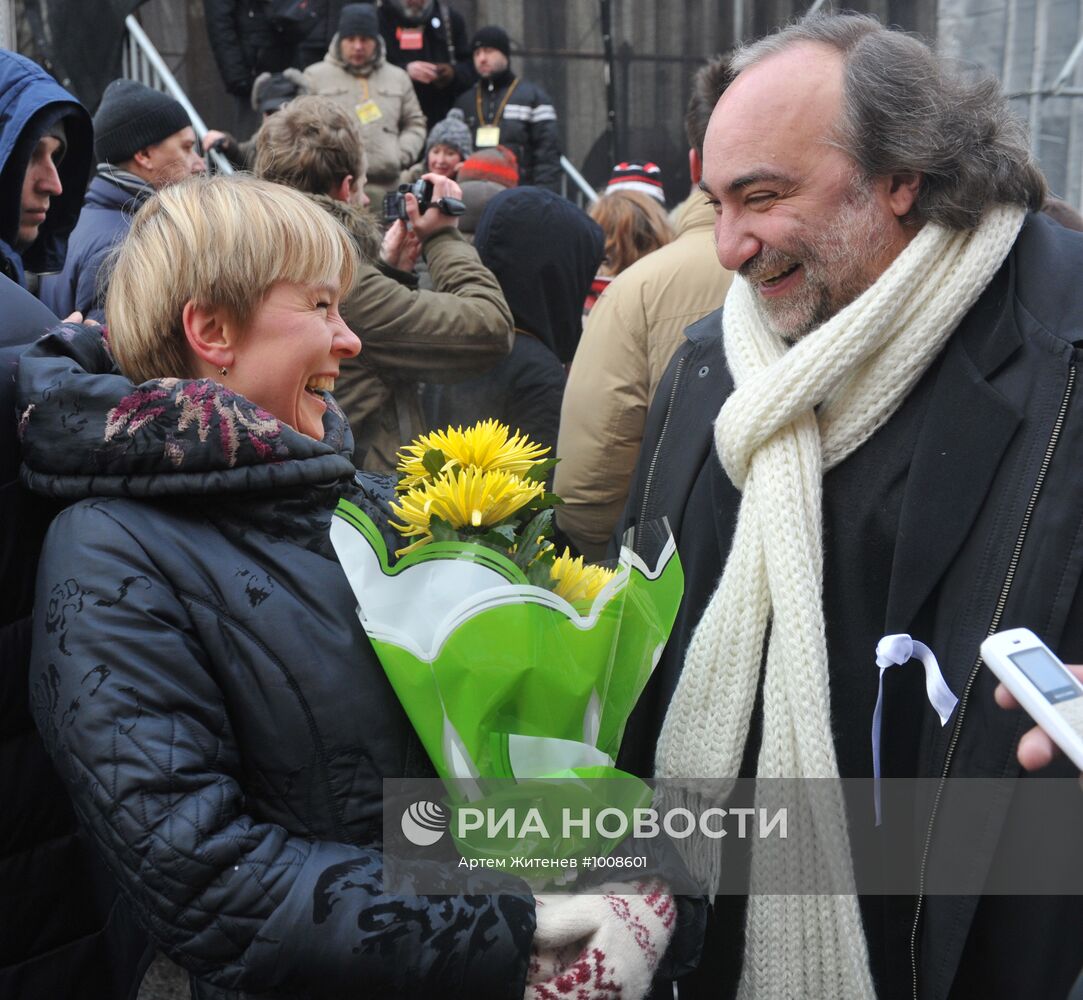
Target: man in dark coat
(63,932)
(503,109)
(428,39)
(143,140)
(248,39)
(948,513)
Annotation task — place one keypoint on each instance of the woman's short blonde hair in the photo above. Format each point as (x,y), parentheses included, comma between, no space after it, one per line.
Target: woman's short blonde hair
(634,224)
(220,242)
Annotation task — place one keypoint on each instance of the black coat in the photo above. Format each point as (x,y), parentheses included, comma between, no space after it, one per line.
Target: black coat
(545,283)
(443,40)
(524,391)
(245,41)
(976,491)
(209,697)
(528,124)
(63,932)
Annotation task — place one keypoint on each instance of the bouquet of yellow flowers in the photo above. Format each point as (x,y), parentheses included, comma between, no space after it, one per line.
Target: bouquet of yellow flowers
(483,486)
(512,661)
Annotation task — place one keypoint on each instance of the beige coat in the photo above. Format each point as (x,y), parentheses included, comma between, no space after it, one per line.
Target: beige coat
(395,139)
(630,337)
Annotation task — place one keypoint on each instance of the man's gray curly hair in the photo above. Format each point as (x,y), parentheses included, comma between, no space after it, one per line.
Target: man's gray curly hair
(905,110)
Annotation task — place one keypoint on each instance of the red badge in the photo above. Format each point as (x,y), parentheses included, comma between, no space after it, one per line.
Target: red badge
(410,39)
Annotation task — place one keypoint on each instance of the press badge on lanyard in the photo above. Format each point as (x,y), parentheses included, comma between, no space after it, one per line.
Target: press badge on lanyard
(368,112)
(488,133)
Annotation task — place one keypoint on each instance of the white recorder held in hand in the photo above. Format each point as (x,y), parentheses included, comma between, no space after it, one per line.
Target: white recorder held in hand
(1049,691)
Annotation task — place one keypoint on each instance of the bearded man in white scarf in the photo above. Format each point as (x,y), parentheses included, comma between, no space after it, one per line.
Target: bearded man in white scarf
(880,435)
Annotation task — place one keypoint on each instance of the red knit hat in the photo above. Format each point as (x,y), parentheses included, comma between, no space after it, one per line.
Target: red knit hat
(491,163)
(643,177)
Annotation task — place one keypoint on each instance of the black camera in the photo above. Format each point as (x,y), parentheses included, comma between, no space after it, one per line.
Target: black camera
(395,201)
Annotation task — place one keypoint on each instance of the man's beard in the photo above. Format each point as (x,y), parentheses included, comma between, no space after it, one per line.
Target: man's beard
(835,263)
(415,10)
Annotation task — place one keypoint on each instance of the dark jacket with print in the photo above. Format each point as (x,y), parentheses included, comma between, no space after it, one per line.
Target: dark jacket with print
(31,102)
(104,222)
(528,124)
(206,691)
(990,520)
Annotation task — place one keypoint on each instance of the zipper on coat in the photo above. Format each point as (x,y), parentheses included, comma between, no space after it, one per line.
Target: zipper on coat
(998,613)
(661,440)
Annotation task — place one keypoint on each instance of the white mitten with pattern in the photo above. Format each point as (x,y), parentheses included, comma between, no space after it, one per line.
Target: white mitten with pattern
(603,946)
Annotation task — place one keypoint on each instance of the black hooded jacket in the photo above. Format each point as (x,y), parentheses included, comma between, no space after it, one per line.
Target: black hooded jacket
(31,102)
(544,252)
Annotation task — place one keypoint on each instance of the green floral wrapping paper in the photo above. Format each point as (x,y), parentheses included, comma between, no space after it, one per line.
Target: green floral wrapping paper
(504,680)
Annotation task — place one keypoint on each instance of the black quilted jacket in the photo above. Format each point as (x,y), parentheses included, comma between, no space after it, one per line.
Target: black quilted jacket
(208,696)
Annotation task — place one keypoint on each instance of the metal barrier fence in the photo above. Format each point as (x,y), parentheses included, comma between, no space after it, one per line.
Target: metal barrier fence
(141,61)
(584,191)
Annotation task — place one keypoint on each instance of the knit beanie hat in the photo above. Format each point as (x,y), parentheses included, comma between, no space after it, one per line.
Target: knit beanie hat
(358,19)
(272,90)
(643,177)
(492,37)
(131,117)
(452,131)
(491,163)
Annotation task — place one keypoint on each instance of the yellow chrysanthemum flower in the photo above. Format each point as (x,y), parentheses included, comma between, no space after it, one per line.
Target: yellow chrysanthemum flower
(575,582)
(488,446)
(471,498)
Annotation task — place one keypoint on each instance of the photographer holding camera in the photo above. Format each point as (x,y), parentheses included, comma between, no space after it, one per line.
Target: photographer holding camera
(424,192)
(408,335)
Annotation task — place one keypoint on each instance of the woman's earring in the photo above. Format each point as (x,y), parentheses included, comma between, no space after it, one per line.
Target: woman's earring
(223,370)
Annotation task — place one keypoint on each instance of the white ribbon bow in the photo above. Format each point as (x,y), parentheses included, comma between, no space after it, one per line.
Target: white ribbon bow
(893,651)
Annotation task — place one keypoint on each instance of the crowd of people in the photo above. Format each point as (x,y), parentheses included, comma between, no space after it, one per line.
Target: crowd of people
(423,94)
(841,368)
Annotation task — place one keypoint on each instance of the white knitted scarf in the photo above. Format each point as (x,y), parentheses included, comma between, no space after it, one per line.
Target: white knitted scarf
(796,412)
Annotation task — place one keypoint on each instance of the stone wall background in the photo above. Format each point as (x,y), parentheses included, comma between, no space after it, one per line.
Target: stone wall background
(1026,43)
(558,43)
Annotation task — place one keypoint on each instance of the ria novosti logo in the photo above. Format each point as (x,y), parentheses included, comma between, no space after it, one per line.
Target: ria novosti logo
(424,823)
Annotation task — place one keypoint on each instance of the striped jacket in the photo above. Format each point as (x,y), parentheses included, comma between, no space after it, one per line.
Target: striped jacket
(527,121)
